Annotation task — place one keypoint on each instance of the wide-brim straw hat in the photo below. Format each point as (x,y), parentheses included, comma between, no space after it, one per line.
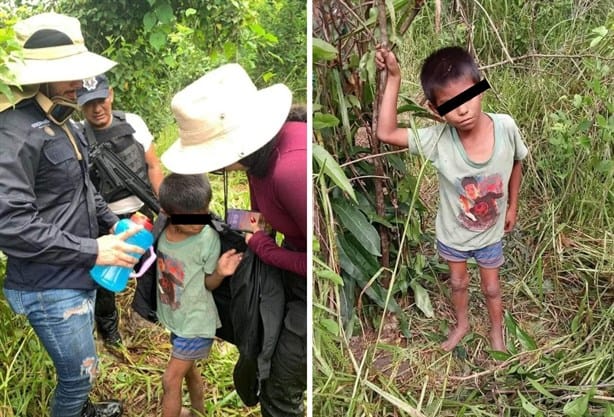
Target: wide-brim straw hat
(222,118)
(54,50)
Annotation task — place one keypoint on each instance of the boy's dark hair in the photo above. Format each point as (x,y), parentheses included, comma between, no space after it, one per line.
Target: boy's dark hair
(258,162)
(445,65)
(184,193)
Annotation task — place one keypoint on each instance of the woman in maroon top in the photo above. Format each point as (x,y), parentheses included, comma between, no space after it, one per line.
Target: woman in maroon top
(226,122)
(277,175)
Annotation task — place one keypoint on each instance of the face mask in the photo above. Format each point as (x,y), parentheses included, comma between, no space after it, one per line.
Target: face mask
(58,109)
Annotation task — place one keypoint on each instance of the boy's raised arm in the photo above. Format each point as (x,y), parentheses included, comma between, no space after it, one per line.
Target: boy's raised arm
(387,128)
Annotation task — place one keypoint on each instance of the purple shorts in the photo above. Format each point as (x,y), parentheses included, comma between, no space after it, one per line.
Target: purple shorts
(489,257)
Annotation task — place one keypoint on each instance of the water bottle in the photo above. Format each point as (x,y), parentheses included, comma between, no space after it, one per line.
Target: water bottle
(113,277)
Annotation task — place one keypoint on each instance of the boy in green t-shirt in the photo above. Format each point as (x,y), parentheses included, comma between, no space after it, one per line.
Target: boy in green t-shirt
(477,157)
(188,270)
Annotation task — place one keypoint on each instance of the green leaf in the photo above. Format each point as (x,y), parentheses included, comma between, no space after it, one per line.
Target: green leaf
(525,340)
(600,31)
(347,307)
(149,20)
(353,101)
(321,121)
(393,17)
(6,91)
(331,169)
(379,219)
(267,76)
(577,407)
(605,166)
(595,41)
(423,301)
(363,265)
(527,405)
(230,49)
(336,87)
(575,322)
(323,51)
(510,323)
(397,403)
(540,388)
(498,355)
(157,40)
(330,275)
(165,13)
(368,72)
(356,223)
(330,326)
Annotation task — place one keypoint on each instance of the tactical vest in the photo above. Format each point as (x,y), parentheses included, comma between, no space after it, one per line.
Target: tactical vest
(126,147)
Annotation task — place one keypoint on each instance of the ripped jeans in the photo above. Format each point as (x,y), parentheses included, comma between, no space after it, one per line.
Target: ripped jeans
(63,320)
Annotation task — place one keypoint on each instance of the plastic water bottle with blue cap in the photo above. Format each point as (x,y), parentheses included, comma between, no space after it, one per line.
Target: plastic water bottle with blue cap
(115,278)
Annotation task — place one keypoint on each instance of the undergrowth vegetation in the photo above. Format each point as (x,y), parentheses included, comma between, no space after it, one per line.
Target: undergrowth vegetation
(381,301)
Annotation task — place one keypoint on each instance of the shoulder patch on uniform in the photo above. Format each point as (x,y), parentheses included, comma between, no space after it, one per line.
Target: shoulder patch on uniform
(40,124)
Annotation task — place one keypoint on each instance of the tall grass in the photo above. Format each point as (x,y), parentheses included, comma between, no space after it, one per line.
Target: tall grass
(558,281)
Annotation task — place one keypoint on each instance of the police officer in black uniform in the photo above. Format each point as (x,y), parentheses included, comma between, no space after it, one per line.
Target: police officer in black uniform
(125,135)
(50,212)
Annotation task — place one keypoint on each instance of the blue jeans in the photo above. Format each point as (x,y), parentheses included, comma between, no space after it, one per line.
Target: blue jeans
(64,322)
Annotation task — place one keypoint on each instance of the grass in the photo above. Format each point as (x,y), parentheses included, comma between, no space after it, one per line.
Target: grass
(133,375)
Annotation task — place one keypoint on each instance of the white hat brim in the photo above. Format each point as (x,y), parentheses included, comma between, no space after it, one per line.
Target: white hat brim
(74,67)
(267,115)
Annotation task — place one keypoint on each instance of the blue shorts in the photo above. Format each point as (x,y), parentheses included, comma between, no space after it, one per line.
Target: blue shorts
(190,349)
(489,257)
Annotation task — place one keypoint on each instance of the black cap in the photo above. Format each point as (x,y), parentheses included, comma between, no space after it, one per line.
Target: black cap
(93,88)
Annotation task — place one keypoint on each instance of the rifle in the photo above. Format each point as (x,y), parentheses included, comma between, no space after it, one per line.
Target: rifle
(113,168)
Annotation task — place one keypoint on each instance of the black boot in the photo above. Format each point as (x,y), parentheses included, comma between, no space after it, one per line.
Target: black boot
(108,328)
(111,408)
(107,319)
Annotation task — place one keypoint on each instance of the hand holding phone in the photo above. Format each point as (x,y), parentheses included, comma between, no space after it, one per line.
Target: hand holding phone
(247,221)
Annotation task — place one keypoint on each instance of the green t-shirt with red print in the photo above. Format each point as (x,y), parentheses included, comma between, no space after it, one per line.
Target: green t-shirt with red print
(185,306)
(472,196)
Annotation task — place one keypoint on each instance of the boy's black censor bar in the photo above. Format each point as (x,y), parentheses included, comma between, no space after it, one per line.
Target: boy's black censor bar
(190,219)
(463,97)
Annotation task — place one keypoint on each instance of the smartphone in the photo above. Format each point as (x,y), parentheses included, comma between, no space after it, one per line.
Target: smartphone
(242,220)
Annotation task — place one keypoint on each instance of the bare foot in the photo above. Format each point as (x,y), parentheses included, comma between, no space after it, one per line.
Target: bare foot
(496,341)
(185,413)
(454,337)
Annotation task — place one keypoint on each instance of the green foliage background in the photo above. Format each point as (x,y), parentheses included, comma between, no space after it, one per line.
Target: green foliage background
(162,45)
